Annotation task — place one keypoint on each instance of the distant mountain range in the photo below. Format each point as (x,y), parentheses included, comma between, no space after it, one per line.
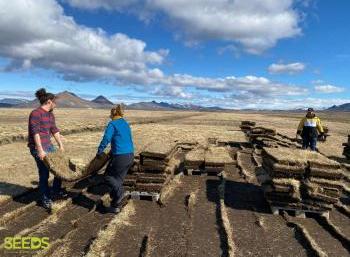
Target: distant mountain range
(340,108)
(153,105)
(68,99)
(64,100)
(10,102)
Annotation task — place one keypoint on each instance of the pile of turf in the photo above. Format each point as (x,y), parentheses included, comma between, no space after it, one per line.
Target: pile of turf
(231,138)
(194,159)
(211,159)
(301,178)
(145,182)
(247,125)
(216,158)
(156,166)
(267,137)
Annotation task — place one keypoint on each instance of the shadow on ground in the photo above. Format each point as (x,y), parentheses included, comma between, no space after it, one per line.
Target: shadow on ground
(22,194)
(239,195)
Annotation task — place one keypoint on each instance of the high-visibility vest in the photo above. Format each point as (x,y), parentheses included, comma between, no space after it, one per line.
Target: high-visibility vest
(310,126)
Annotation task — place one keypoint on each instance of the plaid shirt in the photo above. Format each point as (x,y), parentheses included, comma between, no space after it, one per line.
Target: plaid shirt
(43,123)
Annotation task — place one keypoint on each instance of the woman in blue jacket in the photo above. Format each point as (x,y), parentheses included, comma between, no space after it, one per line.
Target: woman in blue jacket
(118,134)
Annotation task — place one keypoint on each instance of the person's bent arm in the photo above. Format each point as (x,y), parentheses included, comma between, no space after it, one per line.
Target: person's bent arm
(106,138)
(301,125)
(39,147)
(58,139)
(34,129)
(56,133)
(319,126)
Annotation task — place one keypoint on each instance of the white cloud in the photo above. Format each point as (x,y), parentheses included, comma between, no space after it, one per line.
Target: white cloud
(248,85)
(37,33)
(327,89)
(278,103)
(17,94)
(105,4)
(257,25)
(45,37)
(290,68)
(172,91)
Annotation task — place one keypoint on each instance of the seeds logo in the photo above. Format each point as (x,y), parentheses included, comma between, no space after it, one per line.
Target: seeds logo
(26,243)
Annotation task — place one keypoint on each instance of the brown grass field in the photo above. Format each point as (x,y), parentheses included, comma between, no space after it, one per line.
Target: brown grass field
(197,215)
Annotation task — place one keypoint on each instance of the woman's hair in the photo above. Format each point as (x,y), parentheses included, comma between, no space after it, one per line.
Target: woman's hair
(117,111)
(44,96)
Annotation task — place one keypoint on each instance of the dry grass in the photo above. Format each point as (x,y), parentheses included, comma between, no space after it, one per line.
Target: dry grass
(14,121)
(18,170)
(191,202)
(175,162)
(105,236)
(232,249)
(169,189)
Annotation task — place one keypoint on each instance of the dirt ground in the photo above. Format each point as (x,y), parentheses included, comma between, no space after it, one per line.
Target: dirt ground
(191,220)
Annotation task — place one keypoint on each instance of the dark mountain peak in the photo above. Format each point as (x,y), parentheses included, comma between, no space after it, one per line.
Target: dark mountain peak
(67,93)
(102,100)
(341,108)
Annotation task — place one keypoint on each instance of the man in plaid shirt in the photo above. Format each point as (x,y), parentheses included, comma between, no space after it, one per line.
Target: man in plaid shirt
(41,126)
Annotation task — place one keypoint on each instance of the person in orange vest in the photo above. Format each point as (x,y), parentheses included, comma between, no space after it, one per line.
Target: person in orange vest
(309,128)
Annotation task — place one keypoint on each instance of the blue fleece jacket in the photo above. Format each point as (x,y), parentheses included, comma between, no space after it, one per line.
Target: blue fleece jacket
(118,133)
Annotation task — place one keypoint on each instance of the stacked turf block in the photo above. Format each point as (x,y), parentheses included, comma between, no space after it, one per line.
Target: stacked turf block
(267,137)
(194,159)
(213,159)
(262,136)
(154,168)
(247,125)
(216,159)
(346,151)
(301,179)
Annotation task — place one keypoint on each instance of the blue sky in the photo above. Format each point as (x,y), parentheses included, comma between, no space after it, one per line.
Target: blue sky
(276,54)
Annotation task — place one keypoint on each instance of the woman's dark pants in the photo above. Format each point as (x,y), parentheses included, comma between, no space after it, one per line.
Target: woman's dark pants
(115,173)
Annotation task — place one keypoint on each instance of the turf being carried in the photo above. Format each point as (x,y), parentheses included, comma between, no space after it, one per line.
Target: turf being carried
(69,169)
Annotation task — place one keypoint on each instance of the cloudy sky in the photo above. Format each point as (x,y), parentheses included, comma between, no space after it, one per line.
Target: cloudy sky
(275,54)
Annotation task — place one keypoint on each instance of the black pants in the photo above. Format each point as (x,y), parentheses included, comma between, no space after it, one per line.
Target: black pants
(115,173)
(309,141)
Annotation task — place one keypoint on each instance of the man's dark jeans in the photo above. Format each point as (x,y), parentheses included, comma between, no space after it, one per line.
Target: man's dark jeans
(44,173)
(309,141)
(115,173)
